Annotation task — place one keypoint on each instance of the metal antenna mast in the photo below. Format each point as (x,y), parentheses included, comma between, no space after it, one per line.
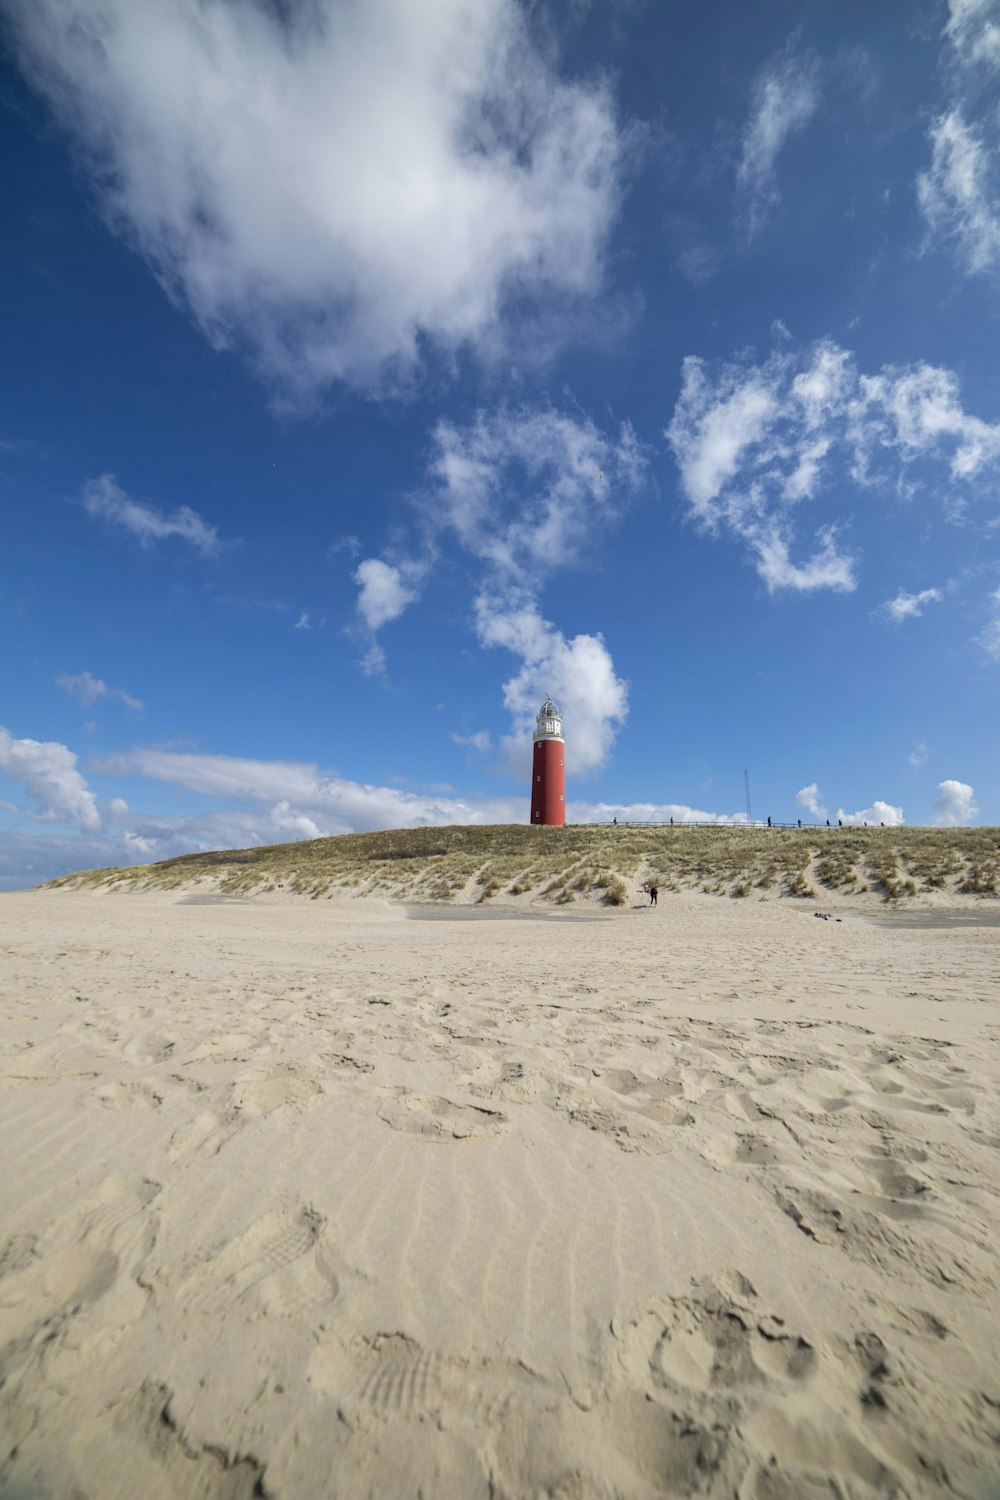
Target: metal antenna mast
(746,783)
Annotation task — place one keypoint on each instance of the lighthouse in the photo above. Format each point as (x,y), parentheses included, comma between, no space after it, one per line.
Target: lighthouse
(548,770)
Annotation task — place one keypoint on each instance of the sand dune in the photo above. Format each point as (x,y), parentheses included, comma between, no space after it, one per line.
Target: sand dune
(309,1198)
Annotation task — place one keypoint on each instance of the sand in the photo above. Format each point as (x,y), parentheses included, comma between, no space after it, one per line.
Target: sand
(309,1198)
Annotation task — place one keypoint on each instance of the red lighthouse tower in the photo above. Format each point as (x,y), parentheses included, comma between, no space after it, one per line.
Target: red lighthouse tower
(548,770)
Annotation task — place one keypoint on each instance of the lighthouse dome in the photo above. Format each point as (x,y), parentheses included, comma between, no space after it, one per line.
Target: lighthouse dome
(549,724)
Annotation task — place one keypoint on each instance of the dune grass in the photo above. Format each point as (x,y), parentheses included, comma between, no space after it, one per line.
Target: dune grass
(594,863)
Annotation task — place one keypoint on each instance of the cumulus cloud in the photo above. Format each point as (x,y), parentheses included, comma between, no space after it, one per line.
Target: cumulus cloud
(811,798)
(956,804)
(329,184)
(47,772)
(579,673)
(755,442)
(105,500)
(785,97)
(383,592)
(88,689)
(910,606)
(879,812)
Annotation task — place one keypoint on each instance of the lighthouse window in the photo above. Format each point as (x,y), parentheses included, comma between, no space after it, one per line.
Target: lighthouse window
(538,778)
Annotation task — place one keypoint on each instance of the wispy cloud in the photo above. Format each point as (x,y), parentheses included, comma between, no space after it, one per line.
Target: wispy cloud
(989,639)
(298,796)
(105,500)
(785,97)
(88,689)
(918,756)
(327,185)
(480,740)
(754,442)
(525,494)
(974,30)
(910,606)
(959,191)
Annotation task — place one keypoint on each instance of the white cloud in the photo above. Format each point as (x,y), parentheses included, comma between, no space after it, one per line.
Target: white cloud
(480,741)
(87,689)
(959,192)
(104,499)
(274,801)
(956,804)
(524,493)
(879,812)
(529,491)
(303,622)
(349,544)
(579,673)
(974,30)
(990,638)
(384,593)
(296,796)
(918,756)
(47,771)
(826,569)
(811,798)
(714,426)
(328,184)
(785,97)
(284,818)
(755,442)
(647,812)
(910,606)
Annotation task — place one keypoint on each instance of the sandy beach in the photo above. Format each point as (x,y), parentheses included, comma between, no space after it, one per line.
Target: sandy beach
(315,1198)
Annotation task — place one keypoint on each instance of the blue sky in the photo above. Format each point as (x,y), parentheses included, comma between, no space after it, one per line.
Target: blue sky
(372,370)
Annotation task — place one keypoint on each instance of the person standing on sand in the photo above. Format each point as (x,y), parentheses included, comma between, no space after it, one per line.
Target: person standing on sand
(653,893)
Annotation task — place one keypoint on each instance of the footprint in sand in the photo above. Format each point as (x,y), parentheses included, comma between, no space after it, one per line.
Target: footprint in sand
(717,1338)
(128,1096)
(259,1091)
(86,1256)
(442,1119)
(206,1132)
(154,1457)
(391,1375)
(279,1267)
